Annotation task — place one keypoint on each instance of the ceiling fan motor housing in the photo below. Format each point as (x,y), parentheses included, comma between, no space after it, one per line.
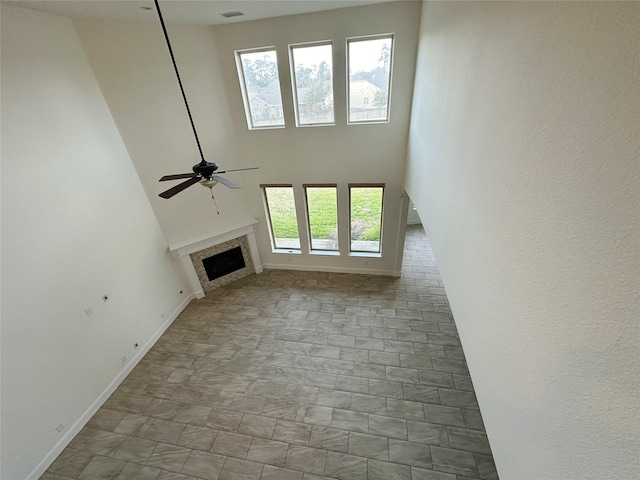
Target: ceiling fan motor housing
(205,169)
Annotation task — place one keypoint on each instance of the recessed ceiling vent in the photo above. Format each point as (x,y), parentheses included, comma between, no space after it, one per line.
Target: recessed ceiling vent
(232,14)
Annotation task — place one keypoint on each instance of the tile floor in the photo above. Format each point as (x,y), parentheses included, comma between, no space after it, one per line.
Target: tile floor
(297,376)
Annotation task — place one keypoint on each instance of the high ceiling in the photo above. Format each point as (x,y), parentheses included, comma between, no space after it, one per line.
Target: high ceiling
(203,12)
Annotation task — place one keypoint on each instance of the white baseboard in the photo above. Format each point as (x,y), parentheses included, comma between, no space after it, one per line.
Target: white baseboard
(313,268)
(106,393)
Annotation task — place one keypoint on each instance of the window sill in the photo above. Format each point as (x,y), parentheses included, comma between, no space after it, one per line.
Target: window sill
(368,122)
(270,127)
(331,253)
(286,250)
(365,254)
(309,125)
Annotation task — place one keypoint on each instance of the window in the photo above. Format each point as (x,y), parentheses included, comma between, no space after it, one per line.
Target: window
(312,74)
(281,213)
(322,215)
(260,85)
(369,61)
(366,217)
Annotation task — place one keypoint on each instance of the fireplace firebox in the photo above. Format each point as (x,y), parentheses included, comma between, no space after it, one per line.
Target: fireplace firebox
(223,263)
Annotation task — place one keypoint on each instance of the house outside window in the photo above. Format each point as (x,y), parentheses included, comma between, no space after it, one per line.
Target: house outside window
(260,85)
(369,63)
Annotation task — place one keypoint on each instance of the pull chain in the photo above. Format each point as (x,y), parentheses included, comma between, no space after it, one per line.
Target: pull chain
(214,200)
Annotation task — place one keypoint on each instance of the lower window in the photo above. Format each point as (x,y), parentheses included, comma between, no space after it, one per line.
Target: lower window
(322,215)
(281,213)
(366,217)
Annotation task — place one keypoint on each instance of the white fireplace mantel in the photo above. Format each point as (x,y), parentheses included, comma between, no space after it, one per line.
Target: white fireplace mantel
(184,249)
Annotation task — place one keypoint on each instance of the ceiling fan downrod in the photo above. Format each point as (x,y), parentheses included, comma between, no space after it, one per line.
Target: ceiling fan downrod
(204,172)
(184,96)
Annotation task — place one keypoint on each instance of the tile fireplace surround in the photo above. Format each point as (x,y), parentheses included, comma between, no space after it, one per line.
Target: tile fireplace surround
(192,252)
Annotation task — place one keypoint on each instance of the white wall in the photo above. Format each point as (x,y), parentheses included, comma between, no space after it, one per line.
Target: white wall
(133,68)
(76,224)
(523,164)
(336,154)
(412,215)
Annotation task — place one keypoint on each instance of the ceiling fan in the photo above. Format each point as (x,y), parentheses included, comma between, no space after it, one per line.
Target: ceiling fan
(205,173)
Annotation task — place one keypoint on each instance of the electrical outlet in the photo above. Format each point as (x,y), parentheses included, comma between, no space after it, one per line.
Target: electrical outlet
(162,315)
(60,427)
(123,359)
(88,312)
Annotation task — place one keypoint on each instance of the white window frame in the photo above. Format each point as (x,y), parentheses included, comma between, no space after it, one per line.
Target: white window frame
(387,119)
(243,87)
(294,84)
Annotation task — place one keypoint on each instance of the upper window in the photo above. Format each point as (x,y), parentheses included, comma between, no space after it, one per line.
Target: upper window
(369,60)
(260,84)
(312,72)
(366,217)
(322,216)
(281,213)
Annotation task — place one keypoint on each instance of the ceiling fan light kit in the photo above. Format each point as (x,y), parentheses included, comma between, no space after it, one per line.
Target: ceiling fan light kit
(208,182)
(203,172)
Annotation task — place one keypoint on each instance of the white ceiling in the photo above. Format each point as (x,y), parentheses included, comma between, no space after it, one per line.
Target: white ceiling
(203,12)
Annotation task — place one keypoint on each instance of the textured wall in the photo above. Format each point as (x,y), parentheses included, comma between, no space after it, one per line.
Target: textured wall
(523,165)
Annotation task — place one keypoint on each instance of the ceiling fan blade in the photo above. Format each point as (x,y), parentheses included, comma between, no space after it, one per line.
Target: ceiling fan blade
(224,181)
(177,176)
(178,188)
(238,169)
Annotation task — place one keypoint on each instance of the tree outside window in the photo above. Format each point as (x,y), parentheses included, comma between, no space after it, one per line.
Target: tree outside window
(313,83)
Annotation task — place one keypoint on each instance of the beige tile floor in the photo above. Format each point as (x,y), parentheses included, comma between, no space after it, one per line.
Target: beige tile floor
(301,376)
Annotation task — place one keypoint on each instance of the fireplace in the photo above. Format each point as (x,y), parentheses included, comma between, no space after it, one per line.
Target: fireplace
(232,260)
(223,263)
(220,258)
